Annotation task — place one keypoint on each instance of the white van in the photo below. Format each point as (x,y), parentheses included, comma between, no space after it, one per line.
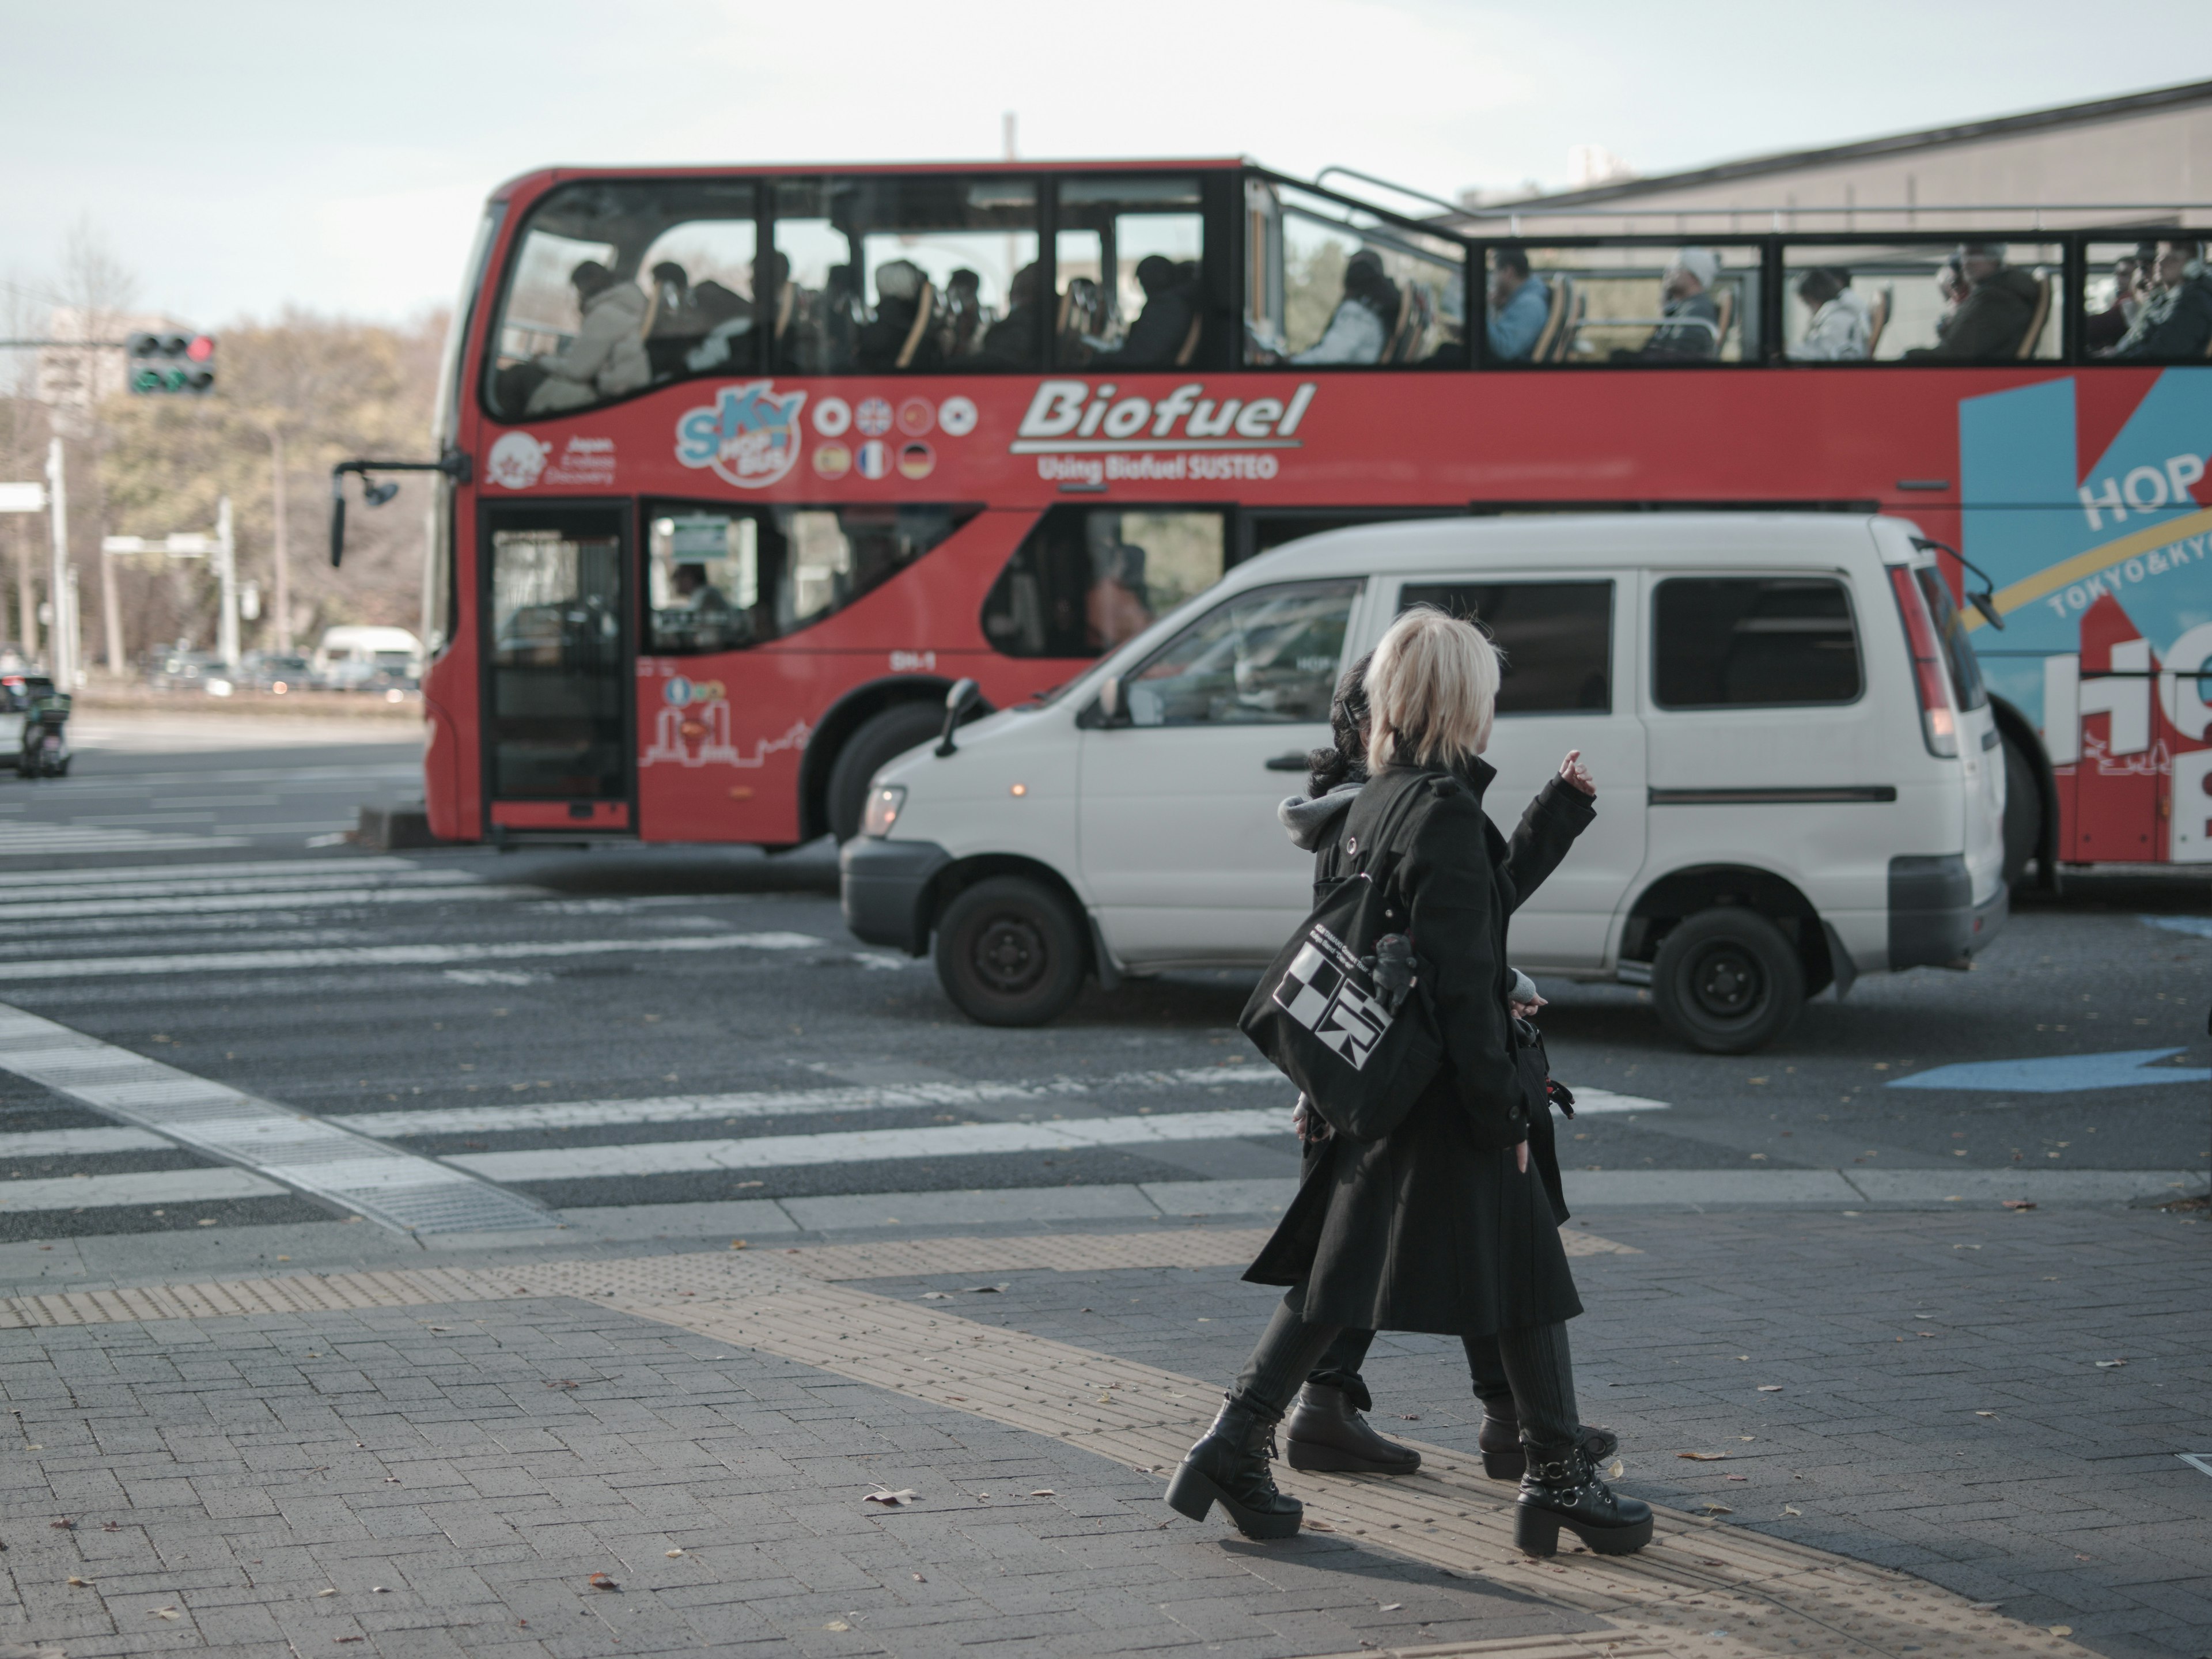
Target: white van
(1799,776)
(354,654)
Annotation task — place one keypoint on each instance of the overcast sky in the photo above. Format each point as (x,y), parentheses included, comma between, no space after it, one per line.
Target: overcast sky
(242,155)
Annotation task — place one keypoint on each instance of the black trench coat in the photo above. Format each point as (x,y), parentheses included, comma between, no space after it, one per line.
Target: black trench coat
(1433,1228)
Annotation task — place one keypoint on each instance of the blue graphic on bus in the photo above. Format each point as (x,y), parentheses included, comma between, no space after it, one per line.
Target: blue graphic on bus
(749,435)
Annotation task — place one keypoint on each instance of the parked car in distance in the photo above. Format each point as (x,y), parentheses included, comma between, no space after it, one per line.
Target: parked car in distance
(184,670)
(1799,780)
(357,657)
(272,672)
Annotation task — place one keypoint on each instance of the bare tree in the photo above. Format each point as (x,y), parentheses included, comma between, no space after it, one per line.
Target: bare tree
(97,291)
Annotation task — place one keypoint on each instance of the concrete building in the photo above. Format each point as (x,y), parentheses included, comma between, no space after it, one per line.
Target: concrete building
(2133,160)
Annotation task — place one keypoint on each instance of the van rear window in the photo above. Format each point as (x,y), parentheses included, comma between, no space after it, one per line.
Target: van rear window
(1738,641)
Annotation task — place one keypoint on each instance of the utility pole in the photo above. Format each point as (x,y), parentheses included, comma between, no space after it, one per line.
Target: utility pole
(283,586)
(226,554)
(58,657)
(111,615)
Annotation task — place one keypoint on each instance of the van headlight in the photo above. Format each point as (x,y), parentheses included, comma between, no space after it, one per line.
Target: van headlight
(883,809)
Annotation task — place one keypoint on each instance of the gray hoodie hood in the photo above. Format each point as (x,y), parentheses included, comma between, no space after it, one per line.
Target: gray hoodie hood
(1311,821)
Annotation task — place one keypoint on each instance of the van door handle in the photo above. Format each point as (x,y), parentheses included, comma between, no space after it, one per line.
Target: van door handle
(1297,761)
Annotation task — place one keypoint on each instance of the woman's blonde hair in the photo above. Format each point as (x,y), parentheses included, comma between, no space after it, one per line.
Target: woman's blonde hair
(1431,691)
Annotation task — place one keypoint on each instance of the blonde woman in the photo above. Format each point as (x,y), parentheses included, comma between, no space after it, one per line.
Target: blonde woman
(1441,1225)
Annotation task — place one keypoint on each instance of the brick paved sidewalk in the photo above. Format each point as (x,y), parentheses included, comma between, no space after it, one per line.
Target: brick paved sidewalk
(479,1461)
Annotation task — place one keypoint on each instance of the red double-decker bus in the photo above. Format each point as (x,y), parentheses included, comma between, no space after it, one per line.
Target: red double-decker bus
(742,468)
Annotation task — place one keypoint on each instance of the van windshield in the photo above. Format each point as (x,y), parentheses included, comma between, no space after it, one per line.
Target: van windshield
(1957,651)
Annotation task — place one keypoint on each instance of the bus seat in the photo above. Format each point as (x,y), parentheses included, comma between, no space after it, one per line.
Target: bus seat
(1724,303)
(1188,349)
(2038,318)
(1555,320)
(1878,316)
(1563,349)
(925,304)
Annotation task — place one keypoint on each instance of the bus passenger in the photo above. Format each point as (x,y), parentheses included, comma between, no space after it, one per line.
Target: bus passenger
(1692,334)
(2103,330)
(1359,328)
(1841,324)
(1011,342)
(882,343)
(963,322)
(695,593)
(1992,319)
(2176,319)
(1520,305)
(1156,340)
(607,357)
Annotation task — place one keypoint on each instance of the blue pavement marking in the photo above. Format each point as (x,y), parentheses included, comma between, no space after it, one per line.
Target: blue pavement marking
(2200,926)
(2059,1074)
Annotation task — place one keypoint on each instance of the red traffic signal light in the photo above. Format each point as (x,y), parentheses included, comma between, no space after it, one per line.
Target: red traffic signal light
(171,362)
(201,349)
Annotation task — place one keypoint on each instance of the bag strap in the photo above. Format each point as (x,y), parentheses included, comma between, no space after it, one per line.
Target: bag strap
(1391,817)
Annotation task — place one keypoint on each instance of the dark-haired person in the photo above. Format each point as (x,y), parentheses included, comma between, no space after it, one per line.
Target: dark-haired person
(1992,318)
(1841,325)
(2175,322)
(607,357)
(1520,305)
(1440,1225)
(1359,328)
(1156,340)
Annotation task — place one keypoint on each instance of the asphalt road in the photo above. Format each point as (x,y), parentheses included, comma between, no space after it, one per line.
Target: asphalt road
(648,1026)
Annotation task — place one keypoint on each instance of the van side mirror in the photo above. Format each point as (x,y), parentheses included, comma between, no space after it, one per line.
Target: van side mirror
(959,702)
(1111,711)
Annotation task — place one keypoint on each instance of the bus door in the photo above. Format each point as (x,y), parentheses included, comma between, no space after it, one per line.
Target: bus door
(558,679)
(1567,644)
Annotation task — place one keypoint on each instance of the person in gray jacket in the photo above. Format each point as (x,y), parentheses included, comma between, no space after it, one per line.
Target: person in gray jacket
(607,357)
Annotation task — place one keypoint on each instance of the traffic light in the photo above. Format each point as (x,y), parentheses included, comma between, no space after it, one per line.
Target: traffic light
(172,362)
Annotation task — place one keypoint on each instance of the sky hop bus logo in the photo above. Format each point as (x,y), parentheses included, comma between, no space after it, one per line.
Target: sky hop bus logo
(749,435)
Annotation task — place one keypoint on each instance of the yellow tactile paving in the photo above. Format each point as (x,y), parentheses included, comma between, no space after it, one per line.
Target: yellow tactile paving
(1702,1588)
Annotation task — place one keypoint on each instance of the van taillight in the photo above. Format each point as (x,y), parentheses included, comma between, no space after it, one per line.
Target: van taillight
(1938,724)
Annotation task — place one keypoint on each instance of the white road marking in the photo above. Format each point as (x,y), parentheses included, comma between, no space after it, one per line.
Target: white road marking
(398,1190)
(791,1102)
(1597,1102)
(32,840)
(207,964)
(866,1145)
(243,876)
(160,1186)
(80,1143)
(318,896)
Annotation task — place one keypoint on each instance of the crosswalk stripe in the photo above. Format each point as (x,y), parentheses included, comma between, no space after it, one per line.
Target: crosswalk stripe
(80,1143)
(160,1187)
(302,898)
(28,840)
(867,1145)
(206,964)
(397,1189)
(248,872)
(784,1102)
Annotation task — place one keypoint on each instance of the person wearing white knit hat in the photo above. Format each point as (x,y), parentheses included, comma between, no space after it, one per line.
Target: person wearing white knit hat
(1685,292)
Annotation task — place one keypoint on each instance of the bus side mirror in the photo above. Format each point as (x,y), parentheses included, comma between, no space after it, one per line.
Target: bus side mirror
(959,702)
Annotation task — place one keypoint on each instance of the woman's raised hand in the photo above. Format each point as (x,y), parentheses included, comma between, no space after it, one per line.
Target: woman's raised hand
(1575,773)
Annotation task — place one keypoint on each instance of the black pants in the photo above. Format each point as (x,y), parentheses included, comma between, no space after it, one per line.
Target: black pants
(1341,1362)
(1538,1371)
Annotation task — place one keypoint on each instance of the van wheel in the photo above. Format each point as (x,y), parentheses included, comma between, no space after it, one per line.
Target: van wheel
(1009,951)
(880,739)
(1727,981)
(2023,812)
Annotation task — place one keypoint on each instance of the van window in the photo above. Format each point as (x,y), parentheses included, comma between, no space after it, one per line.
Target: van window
(721,578)
(1957,653)
(1266,658)
(1554,639)
(1088,578)
(1730,641)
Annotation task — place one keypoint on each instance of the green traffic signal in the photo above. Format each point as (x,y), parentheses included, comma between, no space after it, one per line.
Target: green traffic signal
(154,365)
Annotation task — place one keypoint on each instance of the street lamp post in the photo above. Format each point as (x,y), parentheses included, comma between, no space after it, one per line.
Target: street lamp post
(281,595)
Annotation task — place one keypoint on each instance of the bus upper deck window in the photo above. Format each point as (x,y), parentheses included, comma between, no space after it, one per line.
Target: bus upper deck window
(907,274)
(1627,304)
(1925,301)
(1336,286)
(615,286)
(1130,254)
(2148,302)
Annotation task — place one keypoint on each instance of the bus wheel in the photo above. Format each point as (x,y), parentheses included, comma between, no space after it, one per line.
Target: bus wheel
(1727,981)
(880,737)
(1010,952)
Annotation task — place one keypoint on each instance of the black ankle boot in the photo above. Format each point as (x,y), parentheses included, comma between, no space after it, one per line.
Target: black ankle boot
(1562,1489)
(1327,1432)
(1499,1441)
(1231,1464)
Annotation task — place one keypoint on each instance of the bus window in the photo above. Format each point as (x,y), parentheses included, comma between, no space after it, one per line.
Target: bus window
(1130,254)
(723,578)
(1920,302)
(616,286)
(907,275)
(1736,641)
(2148,302)
(558,679)
(1336,287)
(1629,304)
(1554,639)
(1087,579)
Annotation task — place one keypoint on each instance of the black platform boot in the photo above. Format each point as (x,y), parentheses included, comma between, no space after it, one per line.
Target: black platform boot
(1231,1464)
(1562,1489)
(1327,1432)
(1499,1441)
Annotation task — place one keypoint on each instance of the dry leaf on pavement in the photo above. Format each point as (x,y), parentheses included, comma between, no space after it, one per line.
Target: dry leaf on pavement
(836,1624)
(332,1591)
(599,1581)
(892,1500)
(1791,1509)
(164,1612)
(77,1582)
(1770,1387)
(1704,1457)
(2108,1365)
(1044,1492)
